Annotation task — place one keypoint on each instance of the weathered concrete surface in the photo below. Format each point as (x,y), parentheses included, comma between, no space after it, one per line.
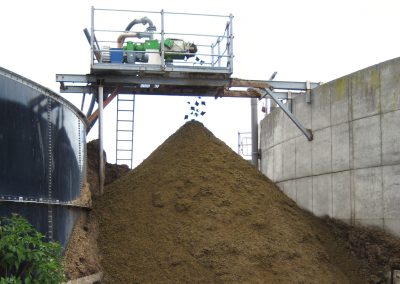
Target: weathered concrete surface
(351,170)
(367,142)
(341,196)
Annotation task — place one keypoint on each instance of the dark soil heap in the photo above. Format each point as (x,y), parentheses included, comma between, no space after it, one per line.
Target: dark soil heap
(81,256)
(196,212)
(112,171)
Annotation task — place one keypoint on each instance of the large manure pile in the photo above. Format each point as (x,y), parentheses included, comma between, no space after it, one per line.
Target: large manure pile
(196,212)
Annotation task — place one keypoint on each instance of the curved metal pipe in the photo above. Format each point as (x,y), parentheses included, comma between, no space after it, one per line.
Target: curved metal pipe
(148,34)
(143,21)
(122,37)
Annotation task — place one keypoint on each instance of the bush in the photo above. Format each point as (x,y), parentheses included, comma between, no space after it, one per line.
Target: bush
(25,257)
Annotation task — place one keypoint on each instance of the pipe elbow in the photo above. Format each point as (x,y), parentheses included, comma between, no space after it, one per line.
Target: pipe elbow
(121,38)
(144,21)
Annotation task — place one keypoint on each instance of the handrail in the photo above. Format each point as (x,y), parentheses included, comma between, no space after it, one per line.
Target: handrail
(215,53)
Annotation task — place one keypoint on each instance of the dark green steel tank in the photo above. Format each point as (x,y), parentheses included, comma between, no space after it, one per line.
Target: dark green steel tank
(42,156)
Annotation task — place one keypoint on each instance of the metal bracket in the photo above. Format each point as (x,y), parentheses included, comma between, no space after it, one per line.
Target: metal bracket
(268,92)
(289,101)
(308,92)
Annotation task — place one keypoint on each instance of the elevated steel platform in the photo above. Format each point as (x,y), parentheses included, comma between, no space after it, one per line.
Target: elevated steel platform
(149,84)
(170,43)
(131,69)
(176,84)
(177,54)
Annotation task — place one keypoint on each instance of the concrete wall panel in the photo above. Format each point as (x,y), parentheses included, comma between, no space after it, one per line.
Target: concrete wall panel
(302,110)
(267,163)
(277,117)
(351,169)
(367,184)
(322,195)
(340,147)
(392,226)
(290,129)
(339,91)
(391,138)
(304,193)
(391,191)
(321,109)
(278,162)
(289,160)
(365,93)
(303,157)
(267,128)
(289,188)
(322,152)
(341,195)
(367,142)
(390,86)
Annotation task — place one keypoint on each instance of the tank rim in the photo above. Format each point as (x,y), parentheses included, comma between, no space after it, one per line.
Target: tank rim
(46,91)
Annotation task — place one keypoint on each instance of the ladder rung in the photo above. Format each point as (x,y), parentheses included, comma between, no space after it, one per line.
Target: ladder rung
(125,124)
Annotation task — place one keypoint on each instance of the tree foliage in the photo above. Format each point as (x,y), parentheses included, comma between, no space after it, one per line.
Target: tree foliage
(25,257)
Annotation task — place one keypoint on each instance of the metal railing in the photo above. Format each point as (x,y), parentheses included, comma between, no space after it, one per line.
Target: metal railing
(214,51)
(244,144)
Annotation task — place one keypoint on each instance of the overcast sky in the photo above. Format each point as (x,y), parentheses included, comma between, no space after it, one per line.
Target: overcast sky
(313,40)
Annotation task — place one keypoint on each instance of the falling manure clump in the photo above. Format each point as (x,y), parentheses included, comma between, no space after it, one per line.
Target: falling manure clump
(196,212)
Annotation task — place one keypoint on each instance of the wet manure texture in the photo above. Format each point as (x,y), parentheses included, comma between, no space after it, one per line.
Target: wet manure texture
(196,212)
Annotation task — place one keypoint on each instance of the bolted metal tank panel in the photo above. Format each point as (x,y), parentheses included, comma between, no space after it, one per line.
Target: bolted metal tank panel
(64,217)
(42,155)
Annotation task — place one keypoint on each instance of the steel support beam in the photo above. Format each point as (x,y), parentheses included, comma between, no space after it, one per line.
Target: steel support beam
(183,81)
(138,80)
(268,92)
(163,91)
(295,86)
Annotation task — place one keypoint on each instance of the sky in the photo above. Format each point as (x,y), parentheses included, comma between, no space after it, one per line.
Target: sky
(303,40)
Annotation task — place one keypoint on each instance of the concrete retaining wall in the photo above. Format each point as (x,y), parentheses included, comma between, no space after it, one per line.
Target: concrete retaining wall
(351,170)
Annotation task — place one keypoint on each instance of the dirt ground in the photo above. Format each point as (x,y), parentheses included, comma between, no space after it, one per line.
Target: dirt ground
(378,252)
(112,171)
(196,212)
(81,258)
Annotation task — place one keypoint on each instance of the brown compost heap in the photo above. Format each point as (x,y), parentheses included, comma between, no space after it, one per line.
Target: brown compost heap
(81,258)
(196,212)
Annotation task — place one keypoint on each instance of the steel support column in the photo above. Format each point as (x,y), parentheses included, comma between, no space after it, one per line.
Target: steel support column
(254,132)
(101,157)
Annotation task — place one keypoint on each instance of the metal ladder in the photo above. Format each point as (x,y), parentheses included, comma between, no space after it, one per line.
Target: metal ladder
(124,129)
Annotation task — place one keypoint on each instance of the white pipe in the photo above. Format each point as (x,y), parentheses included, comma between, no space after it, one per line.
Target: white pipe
(254,132)
(101,157)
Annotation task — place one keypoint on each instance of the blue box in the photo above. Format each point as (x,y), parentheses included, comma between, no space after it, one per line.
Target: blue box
(116,55)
